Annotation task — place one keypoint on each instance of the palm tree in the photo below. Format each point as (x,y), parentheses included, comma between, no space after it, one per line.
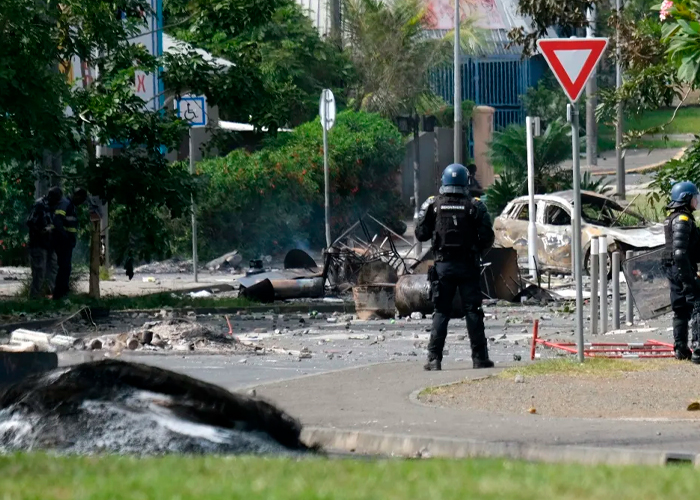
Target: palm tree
(392,51)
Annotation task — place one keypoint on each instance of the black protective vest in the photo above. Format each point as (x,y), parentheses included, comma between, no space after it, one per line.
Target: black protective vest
(455,226)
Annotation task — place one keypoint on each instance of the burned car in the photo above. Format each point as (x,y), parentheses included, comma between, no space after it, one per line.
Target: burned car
(625,230)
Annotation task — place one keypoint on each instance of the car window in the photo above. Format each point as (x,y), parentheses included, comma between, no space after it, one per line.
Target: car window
(514,209)
(607,213)
(557,216)
(524,213)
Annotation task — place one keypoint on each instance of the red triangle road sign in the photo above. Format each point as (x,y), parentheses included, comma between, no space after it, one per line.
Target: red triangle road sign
(572,60)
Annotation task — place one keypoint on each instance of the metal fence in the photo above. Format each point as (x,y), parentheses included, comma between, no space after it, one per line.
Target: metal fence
(497,81)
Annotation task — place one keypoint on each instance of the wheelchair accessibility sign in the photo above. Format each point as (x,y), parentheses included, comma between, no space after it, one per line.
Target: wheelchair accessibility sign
(192,109)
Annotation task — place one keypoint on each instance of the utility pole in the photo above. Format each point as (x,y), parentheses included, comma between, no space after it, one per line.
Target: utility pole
(591,100)
(458,90)
(416,177)
(620,122)
(335,22)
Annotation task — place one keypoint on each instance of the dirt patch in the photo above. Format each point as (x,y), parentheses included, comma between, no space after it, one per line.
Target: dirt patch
(663,391)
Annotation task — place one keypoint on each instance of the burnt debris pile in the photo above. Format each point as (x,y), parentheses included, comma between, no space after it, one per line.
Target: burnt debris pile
(117,407)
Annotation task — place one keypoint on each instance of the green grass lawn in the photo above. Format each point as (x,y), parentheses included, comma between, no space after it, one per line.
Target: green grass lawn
(687,121)
(41,477)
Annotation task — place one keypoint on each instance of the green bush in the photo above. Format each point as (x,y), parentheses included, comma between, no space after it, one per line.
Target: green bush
(685,169)
(273,200)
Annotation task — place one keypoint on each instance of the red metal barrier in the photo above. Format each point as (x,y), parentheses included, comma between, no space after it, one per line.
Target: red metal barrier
(535,329)
(648,349)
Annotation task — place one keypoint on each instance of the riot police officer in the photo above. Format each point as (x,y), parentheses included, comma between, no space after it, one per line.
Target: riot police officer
(460,229)
(680,260)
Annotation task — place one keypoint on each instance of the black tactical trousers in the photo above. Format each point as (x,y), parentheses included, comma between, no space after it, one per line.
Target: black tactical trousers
(451,277)
(684,309)
(64,256)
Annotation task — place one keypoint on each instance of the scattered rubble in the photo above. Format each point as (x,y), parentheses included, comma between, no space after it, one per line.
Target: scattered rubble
(171,266)
(231,260)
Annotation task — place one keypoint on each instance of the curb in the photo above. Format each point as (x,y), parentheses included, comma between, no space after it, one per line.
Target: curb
(407,446)
(641,170)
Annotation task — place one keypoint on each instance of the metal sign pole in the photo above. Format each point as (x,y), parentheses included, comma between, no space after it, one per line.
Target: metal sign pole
(576,254)
(326,175)
(194,213)
(531,227)
(458,148)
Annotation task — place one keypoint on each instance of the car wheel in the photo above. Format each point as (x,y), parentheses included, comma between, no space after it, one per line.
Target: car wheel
(587,261)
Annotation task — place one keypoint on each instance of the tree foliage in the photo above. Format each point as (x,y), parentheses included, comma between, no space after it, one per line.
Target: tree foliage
(281,62)
(686,168)
(568,17)
(50,111)
(387,43)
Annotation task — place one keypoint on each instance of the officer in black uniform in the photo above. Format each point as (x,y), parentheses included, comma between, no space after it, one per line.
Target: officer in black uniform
(475,188)
(680,259)
(460,229)
(65,238)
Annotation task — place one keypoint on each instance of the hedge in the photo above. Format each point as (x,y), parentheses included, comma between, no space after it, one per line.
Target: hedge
(272,200)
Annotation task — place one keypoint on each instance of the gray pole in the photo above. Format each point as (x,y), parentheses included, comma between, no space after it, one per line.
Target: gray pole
(531,226)
(194,213)
(628,277)
(591,101)
(458,90)
(603,255)
(436,139)
(616,291)
(594,285)
(326,175)
(619,123)
(576,254)
(335,22)
(416,181)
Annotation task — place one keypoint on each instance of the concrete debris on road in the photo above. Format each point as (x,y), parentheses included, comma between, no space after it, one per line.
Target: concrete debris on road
(231,260)
(43,341)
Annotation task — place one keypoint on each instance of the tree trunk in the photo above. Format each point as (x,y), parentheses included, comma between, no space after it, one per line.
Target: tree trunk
(95,225)
(95,259)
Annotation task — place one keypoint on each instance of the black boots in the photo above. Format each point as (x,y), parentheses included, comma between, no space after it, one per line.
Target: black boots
(482,363)
(683,352)
(433,365)
(695,357)
(680,339)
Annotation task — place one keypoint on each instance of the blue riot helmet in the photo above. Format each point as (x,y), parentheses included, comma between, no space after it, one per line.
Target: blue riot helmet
(455,179)
(682,194)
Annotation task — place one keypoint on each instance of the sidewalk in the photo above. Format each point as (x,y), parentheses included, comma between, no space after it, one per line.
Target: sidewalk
(379,400)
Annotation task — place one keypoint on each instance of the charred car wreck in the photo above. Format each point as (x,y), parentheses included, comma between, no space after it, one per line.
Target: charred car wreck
(601,216)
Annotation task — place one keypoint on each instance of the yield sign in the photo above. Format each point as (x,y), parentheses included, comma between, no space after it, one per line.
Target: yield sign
(572,60)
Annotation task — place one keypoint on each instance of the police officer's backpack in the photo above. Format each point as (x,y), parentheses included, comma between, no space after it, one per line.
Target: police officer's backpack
(455,225)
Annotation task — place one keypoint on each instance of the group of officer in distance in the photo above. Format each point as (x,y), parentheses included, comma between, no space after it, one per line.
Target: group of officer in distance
(460,229)
(53,231)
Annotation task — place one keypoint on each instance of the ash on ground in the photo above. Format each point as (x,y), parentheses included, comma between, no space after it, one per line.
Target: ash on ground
(117,407)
